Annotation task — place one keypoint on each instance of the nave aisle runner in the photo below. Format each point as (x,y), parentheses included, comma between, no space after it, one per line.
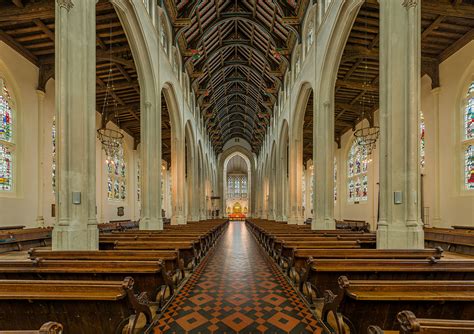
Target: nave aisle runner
(237,290)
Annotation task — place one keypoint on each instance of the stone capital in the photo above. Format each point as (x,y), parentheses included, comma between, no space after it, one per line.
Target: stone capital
(410,3)
(66,4)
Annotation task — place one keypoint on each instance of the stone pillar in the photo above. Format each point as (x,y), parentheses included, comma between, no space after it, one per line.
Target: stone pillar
(151,165)
(40,171)
(400,224)
(178,174)
(296,177)
(323,162)
(202,193)
(75,61)
(280,186)
(436,160)
(193,191)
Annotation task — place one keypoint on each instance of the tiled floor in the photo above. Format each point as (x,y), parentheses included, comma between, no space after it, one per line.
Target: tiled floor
(237,289)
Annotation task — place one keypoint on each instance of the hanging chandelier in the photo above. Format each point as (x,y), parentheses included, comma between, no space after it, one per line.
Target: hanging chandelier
(110,139)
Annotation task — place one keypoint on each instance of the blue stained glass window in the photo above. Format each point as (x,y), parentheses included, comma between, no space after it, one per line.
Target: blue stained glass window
(468,140)
(357,164)
(116,177)
(7,145)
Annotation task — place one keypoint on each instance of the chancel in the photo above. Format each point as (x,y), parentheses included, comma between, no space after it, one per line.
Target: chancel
(251,166)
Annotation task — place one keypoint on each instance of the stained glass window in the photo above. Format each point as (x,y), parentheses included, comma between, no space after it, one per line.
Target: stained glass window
(138,182)
(469,167)
(164,36)
(469,114)
(468,142)
(335,179)
(357,164)
(116,177)
(53,165)
(7,145)
(422,140)
(309,36)
(237,186)
(6,177)
(303,189)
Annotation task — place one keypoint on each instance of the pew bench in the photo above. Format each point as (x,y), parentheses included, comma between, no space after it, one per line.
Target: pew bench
(173,265)
(322,274)
(149,276)
(47,328)
(300,257)
(92,307)
(453,240)
(19,239)
(409,324)
(361,303)
(187,250)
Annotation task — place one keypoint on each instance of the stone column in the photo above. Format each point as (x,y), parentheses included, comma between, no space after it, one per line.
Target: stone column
(323,162)
(202,193)
(296,177)
(400,224)
(280,186)
(40,149)
(178,174)
(75,61)
(436,160)
(194,190)
(151,164)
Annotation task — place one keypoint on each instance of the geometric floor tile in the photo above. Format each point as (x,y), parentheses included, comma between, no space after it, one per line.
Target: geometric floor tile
(237,289)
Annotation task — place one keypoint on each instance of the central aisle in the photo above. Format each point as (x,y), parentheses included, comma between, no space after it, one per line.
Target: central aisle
(237,290)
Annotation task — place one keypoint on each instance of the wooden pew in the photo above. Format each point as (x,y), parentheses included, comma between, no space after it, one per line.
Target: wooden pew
(409,324)
(300,257)
(187,250)
(360,303)
(17,240)
(47,328)
(453,240)
(149,276)
(353,225)
(322,274)
(92,307)
(174,266)
(12,227)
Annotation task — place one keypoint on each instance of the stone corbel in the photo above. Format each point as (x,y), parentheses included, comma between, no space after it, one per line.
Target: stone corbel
(46,72)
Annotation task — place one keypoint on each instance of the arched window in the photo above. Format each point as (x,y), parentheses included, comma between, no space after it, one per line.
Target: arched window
(468,139)
(164,35)
(309,36)
(297,63)
(335,179)
(139,186)
(236,186)
(422,141)
(53,153)
(116,177)
(357,179)
(7,142)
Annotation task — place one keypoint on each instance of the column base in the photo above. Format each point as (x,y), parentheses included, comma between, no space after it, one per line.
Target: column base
(194,218)
(40,221)
(178,220)
(409,235)
(151,224)
(323,224)
(75,236)
(296,220)
(437,222)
